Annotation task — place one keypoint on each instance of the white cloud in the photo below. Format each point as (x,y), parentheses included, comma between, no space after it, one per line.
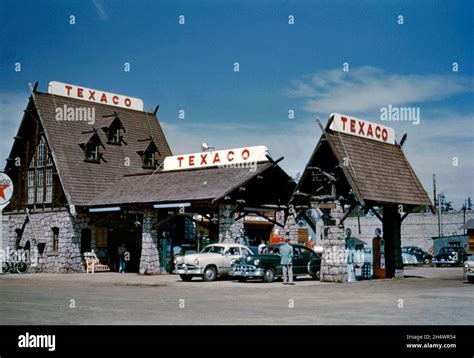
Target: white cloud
(442,135)
(367,88)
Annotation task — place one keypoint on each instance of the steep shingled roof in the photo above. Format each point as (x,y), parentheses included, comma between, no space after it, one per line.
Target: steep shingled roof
(380,171)
(377,173)
(84,181)
(192,185)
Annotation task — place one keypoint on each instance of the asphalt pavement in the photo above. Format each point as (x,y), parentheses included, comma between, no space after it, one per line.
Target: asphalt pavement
(428,295)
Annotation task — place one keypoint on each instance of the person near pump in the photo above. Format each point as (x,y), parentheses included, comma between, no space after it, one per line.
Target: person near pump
(286,261)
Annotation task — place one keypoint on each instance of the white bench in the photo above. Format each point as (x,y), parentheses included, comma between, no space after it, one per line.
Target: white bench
(93,264)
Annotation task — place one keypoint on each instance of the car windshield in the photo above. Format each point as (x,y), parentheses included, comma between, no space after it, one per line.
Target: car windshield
(213,250)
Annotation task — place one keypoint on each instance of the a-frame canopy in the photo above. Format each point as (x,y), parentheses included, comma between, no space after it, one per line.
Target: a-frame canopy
(362,171)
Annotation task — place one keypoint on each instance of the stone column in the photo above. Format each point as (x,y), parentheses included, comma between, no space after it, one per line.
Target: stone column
(149,259)
(226,220)
(291,227)
(236,227)
(334,262)
(392,235)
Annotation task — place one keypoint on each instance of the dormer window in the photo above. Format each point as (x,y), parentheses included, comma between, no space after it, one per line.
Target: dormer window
(113,135)
(113,128)
(92,152)
(150,156)
(91,144)
(149,160)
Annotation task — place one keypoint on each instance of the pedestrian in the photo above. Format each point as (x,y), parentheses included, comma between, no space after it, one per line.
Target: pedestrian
(261,247)
(122,251)
(286,253)
(126,257)
(177,251)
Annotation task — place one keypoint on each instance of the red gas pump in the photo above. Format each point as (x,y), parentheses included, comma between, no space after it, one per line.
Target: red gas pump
(378,249)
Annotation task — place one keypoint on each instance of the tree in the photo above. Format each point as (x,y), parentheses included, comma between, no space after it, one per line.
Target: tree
(421,209)
(446,206)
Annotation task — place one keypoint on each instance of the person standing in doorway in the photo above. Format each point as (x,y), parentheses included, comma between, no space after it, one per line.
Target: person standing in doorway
(126,257)
(286,261)
(122,251)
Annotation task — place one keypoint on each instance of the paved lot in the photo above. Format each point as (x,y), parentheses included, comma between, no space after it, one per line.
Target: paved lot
(426,296)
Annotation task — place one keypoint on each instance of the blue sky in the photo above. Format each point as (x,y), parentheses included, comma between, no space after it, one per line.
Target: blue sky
(282,67)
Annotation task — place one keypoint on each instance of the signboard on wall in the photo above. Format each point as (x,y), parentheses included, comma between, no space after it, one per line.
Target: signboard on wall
(96,96)
(238,157)
(101,236)
(6,189)
(361,128)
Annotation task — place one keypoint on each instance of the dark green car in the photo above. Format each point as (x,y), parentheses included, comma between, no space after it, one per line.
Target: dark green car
(267,266)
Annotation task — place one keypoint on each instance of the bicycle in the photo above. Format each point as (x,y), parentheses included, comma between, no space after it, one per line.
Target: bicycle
(18,267)
(14,265)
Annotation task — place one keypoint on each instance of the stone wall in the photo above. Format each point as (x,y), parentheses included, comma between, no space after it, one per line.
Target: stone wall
(68,256)
(334,263)
(291,226)
(417,229)
(149,259)
(226,220)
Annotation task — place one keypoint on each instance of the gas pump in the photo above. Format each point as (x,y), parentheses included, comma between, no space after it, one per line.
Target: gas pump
(166,264)
(378,249)
(350,247)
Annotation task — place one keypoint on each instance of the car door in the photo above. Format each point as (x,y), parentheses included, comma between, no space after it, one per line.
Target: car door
(231,254)
(306,256)
(298,262)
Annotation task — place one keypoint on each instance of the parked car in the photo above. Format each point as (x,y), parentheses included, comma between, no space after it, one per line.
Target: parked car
(469,269)
(450,255)
(409,259)
(421,256)
(213,261)
(267,266)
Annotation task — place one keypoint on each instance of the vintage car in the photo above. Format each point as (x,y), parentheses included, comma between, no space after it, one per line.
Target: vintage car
(409,259)
(469,269)
(267,266)
(213,261)
(421,256)
(450,255)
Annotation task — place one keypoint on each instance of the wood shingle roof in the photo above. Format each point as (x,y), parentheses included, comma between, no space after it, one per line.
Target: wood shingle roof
(380,171)
(84,181)
(178,186)
(361,171)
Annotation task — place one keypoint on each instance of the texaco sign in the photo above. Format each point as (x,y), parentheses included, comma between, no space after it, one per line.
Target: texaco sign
(6,189)
(96,96)
(362,128)
(226,157)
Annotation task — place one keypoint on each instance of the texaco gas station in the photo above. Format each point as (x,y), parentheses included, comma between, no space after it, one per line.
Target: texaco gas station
(85,186)
(359,163)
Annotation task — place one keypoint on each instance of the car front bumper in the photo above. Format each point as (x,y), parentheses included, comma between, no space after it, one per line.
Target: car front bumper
(187,270)
(448,262)
(247,271)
